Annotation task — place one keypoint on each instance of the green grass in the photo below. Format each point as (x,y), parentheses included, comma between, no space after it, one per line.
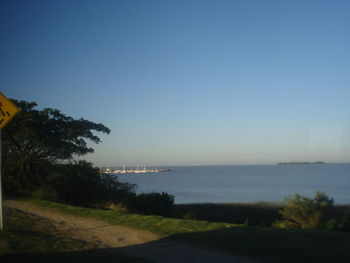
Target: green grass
(273,245)
(252,214)
(255,214)
(160,225)
(29,238)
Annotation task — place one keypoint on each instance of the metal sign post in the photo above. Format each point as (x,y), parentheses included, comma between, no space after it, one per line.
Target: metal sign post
(1,204)
(7,111)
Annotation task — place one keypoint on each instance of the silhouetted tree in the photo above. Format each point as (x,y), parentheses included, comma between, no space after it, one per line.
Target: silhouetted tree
(35,140)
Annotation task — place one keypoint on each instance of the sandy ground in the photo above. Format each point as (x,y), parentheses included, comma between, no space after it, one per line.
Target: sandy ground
(127,240)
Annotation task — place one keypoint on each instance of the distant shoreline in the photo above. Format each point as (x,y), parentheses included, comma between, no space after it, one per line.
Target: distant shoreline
(300,163)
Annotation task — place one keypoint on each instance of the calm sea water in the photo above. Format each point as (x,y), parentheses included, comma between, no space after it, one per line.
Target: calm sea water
(246,183)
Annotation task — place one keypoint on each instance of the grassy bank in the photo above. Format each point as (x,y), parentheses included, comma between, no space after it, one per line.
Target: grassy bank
(29,238)
(254,214)
(160,225)
(273,245)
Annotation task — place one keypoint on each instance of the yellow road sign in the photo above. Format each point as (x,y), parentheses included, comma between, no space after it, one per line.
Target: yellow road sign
(7,110)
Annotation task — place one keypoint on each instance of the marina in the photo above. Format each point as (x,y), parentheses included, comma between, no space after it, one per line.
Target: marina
(130,170)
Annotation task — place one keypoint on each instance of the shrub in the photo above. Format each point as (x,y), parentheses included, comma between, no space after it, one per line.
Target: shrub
(189,215)
(341,223)
(79,183)
(151,203)
(22,177)
(47,193)
(306,213)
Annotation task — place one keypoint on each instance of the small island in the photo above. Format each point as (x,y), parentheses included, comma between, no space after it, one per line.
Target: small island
(300,163)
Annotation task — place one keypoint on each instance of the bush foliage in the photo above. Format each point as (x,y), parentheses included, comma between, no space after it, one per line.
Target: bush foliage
(151,203)
(307,213)
(79,183)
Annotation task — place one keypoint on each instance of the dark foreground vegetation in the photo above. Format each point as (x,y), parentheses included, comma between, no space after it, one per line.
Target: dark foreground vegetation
(296,212)
(252,214)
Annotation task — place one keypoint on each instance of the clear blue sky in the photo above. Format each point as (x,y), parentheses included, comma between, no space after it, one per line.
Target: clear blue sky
(188,82)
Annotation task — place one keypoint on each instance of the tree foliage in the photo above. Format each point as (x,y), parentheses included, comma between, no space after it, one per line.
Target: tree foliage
(79,183)
(38,139)
(151,203)
(49,134)
(307,213)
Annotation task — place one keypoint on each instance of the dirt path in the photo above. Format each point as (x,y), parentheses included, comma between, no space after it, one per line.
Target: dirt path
(126,240)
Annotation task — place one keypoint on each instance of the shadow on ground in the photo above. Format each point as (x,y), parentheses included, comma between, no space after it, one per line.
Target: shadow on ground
(266,244)
(93,255)
(169,250)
